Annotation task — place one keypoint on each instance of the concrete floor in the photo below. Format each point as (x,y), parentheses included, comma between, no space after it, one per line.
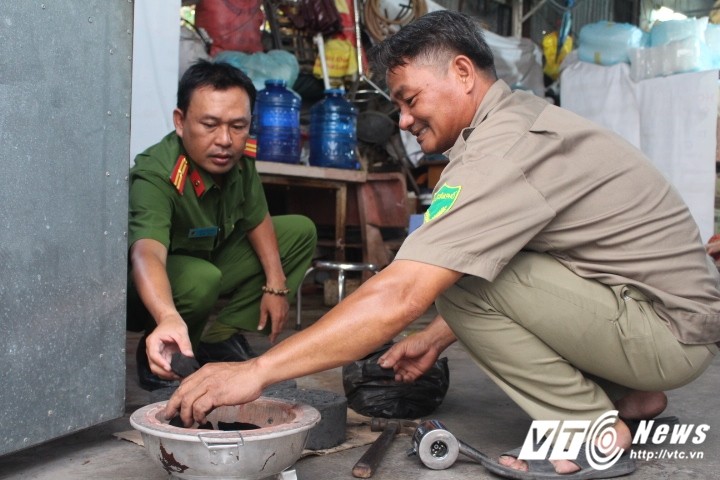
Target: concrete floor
(474,410)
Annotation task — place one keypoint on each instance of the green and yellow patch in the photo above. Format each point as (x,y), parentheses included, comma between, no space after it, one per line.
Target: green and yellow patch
(442,201)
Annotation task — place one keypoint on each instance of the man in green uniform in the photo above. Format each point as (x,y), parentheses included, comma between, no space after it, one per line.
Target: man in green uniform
(199,229)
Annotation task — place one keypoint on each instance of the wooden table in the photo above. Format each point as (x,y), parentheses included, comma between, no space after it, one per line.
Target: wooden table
(370,200)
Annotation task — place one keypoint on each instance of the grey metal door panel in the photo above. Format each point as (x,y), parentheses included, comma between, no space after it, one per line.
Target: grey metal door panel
(65,71)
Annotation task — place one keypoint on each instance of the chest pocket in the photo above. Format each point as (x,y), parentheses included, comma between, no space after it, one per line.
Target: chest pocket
(231,214)
(230,223)
(187,240)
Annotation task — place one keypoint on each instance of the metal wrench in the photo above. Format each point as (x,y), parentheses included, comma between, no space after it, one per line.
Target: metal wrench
(438,448)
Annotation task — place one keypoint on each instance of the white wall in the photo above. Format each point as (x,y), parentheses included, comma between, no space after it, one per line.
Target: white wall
(156,36)
(672,119)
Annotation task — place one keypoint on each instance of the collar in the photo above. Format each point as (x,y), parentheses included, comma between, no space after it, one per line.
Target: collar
(183,169)
(495,94)
(200,180)
(179,173)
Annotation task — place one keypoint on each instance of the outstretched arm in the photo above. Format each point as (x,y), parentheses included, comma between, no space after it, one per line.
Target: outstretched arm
(149,273)
(366,319)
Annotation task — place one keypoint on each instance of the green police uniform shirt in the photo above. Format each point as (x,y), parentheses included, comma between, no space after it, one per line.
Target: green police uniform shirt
(179,205)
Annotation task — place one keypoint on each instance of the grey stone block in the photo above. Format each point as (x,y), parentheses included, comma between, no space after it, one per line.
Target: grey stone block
(330,431)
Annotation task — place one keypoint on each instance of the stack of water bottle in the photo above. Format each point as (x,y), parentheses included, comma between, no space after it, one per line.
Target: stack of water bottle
(672,46)
(333,127)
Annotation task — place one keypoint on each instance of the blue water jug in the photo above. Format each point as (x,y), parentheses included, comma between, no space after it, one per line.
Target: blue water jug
(333,132)
(277,123)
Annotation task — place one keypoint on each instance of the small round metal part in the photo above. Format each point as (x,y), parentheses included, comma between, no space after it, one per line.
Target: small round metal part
(435,445)
(438,449)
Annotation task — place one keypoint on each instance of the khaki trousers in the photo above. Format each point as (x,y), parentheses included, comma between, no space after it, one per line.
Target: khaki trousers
(564,347)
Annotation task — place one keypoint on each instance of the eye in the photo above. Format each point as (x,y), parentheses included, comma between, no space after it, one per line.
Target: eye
(208,125)
(240,127)
(410,100)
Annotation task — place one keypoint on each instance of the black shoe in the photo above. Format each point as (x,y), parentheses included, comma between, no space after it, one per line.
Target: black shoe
(148,380)
(234,349)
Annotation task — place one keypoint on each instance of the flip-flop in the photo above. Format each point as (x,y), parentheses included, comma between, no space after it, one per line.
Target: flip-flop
(544,469)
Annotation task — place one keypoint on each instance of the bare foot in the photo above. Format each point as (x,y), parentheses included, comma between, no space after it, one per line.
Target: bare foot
(512,462)
(623,440)
(561,466)
(639,405)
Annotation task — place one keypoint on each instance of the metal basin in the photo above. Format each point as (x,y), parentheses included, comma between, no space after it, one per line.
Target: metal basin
(192,453)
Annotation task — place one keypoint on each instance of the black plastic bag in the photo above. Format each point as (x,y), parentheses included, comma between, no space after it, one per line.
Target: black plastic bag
(372,390)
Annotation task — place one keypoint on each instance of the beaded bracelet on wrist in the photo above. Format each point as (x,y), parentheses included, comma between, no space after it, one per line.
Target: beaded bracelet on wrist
(274,291)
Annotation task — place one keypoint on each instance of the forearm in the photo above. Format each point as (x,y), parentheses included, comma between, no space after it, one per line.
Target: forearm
(366,319)
(151,281)
(375,313)
(156,295)
(439,334)
(264,242)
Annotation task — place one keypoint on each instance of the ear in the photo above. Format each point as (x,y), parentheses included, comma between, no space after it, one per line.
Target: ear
(465,71)
(178,119)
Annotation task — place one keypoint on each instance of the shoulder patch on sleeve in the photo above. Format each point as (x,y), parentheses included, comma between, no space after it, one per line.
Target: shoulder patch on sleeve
(179,173)
(443,200)
(251,148)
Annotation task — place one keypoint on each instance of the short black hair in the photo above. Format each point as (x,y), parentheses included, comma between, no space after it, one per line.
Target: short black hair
(434,34)
(219,75)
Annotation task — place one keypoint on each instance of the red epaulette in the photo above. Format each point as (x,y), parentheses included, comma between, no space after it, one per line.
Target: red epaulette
(179,174)
(250,148)
(197,183)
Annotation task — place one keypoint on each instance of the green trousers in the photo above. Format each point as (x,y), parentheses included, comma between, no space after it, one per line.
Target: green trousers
(234,272)
(564,347)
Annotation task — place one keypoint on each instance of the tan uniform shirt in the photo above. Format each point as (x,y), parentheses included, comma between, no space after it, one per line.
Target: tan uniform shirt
(527,175)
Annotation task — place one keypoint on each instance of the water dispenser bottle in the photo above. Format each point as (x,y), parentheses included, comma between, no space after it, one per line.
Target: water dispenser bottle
(277,120)
(333,135)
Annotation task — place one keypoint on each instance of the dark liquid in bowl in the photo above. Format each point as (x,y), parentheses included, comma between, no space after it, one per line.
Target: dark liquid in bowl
(222,426)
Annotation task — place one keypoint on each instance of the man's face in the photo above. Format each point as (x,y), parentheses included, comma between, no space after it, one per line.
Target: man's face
(430,99)
(214,128)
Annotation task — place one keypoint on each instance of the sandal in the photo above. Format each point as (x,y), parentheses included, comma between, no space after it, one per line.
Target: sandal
(544,469)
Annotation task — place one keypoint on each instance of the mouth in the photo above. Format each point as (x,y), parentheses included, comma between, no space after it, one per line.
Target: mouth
(221,158)
(419,133)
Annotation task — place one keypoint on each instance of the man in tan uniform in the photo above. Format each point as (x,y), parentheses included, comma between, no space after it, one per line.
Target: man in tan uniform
(557,255)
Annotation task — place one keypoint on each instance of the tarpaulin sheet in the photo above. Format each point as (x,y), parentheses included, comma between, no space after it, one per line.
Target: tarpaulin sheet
(672,119)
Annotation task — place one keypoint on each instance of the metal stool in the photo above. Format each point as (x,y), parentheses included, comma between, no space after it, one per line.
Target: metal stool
(341,268)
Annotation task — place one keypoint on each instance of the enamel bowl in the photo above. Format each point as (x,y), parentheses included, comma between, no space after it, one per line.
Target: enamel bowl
(262,453)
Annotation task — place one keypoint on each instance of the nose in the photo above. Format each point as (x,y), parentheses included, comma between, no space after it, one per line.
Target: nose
(406,120)
(223,137)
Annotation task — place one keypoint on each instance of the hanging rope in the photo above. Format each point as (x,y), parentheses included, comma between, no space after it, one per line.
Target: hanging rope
(376,17)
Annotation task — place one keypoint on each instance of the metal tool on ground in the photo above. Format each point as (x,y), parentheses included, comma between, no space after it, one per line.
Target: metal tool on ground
(368,463)
(438,448)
